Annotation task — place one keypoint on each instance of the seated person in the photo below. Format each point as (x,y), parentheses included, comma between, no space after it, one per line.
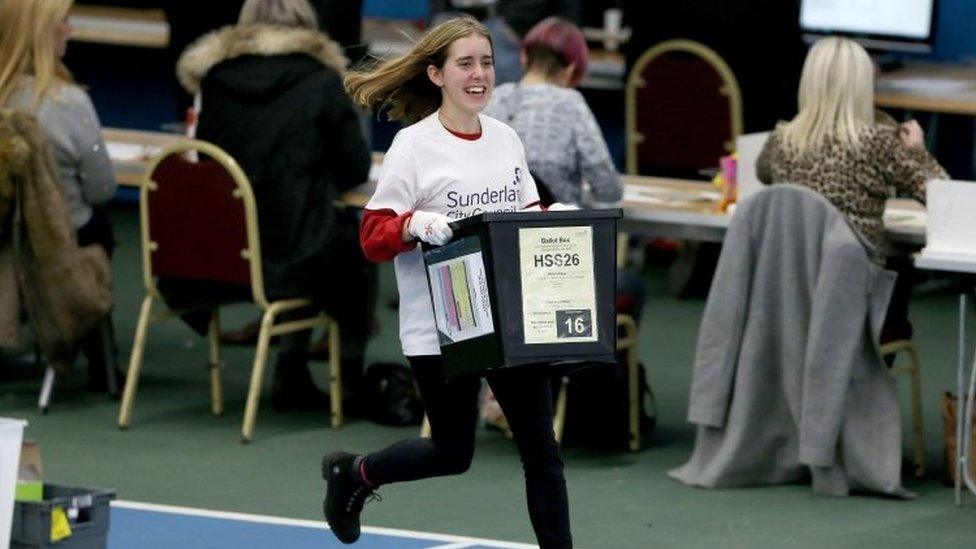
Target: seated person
(838,146)
(33,79)
(563,143)
(272,97)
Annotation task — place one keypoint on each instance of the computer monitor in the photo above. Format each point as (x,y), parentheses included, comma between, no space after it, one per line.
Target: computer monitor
(879,25)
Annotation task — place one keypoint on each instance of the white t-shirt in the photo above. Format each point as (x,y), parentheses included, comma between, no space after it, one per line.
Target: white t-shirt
(429,169)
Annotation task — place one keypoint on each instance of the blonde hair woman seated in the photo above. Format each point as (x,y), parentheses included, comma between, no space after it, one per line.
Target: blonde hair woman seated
(33,39)
(839,146)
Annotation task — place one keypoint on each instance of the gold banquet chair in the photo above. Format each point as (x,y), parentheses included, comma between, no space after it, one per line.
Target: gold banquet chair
(626,341)
(199,221)
(907,346)
(683,110)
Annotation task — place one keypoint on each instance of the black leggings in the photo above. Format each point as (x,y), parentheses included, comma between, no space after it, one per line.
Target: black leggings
(452,408)
(98,232)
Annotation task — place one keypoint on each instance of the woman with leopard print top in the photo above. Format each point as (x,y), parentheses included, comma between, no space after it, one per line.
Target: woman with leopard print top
(839,147)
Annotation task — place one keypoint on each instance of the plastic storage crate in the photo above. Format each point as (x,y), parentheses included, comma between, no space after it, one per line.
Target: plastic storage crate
(87,511)
(11,435)
(526,289)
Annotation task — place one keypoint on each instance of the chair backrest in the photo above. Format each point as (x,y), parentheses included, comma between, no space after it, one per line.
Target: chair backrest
(684,109)
(748,147)
(199,219)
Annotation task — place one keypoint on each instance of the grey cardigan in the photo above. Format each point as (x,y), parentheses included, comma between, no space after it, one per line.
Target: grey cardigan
(68,119)
(787,380)
(563,143)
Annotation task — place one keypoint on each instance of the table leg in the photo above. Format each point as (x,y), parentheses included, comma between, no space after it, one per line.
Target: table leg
(959,400)
(967,432)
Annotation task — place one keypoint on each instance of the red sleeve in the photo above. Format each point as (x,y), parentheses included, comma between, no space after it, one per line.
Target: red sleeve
(380,234)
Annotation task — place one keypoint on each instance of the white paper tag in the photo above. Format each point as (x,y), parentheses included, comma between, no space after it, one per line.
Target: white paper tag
(558,285)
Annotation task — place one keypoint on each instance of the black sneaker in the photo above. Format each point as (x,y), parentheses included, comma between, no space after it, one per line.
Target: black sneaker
(345,495)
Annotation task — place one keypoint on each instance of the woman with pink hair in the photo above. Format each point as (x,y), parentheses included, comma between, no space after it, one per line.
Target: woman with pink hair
(563,143)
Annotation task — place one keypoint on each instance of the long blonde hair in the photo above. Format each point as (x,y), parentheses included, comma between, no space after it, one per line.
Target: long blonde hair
(27,45)
(836,96)
(401,85)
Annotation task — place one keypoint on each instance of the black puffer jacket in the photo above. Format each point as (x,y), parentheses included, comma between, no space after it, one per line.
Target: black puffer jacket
(273,99)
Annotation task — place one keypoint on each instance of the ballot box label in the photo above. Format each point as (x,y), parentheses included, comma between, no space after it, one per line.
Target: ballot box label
(558,285)
(574,323)
(459,292)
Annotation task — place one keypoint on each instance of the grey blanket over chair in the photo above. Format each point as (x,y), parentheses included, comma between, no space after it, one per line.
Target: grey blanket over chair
(788,383)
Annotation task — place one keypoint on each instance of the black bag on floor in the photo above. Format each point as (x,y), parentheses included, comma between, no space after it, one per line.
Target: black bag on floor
(391,396)
(598,410)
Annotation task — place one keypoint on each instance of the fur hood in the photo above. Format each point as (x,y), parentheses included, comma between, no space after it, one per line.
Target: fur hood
(267,40)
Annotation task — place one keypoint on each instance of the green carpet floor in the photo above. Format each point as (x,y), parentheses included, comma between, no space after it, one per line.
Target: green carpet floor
(177,453)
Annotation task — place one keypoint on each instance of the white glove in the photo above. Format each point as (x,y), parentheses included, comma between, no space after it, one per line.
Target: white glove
(432,228)
(562,207)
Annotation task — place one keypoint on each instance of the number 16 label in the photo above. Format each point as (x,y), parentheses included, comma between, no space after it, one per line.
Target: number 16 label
(574,323)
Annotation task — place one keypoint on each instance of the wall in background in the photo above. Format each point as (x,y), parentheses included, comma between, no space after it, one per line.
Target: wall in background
(396,9)
(955,38)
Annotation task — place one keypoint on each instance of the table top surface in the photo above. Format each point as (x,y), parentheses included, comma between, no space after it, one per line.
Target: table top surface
(957,263)
(654,206)
(932,87)
(139,27)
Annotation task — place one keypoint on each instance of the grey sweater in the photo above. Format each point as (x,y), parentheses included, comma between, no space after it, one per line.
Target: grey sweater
(68,119)
(563,143)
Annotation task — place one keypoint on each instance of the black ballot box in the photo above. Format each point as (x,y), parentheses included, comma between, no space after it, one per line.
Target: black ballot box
(526,289)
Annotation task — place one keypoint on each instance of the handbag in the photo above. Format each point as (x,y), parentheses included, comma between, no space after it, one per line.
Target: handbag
(949,418)
(391,395)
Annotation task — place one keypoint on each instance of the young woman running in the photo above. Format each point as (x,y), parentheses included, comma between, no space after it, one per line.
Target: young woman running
(437,170)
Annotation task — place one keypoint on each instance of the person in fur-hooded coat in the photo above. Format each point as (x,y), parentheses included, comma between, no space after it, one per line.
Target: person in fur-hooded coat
(272,97)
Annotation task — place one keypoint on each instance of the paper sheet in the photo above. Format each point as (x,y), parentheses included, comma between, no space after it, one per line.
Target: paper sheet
(558,285)
(652,195)
(121,152)
(905,218)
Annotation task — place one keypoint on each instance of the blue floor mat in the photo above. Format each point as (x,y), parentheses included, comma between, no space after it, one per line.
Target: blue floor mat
(191,529)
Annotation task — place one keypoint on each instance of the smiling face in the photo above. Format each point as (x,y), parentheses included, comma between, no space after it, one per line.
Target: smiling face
(467,77)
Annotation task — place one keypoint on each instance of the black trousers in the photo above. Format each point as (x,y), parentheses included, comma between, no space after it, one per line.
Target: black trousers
(95,346)
(452,408)
(896,325)
(97,231)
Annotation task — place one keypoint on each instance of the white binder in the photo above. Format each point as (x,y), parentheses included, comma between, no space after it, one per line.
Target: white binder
(951,229)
